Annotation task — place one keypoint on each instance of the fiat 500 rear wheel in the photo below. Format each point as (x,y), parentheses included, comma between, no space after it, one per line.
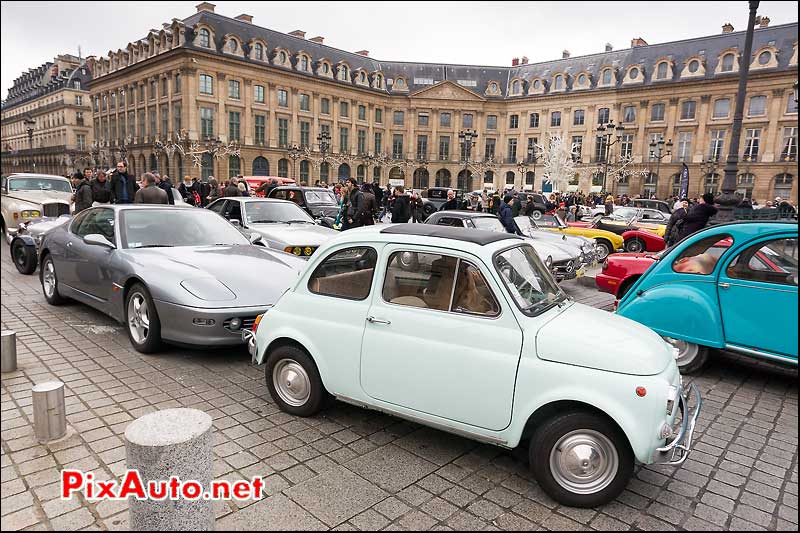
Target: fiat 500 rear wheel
(294,382)
(581,459)
(689,356)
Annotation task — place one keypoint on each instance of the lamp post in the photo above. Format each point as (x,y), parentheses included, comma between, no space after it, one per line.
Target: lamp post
(604,134)
(294,154)
(656,149)
(467,140)
(29,125)
(324,140)
(522,166)
(727,200)
(709,166)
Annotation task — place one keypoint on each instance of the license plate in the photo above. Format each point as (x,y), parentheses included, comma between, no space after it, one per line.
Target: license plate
(580,272)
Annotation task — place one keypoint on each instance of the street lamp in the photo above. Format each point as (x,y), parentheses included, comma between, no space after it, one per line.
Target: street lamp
(467,140)
(29,124)
(324,140)
(294,154)
(522,166)
(658,155)
(604,134)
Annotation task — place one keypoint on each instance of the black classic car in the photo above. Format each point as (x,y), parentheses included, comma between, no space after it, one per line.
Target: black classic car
(318,202)
(435,197)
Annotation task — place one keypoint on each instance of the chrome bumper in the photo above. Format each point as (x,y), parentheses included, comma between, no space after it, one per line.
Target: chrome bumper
(249,338)
(677,451)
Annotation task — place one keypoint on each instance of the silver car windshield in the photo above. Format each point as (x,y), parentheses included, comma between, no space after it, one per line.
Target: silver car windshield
(320,197)
(165,228)
(275,213)
(38,184)
(489,224)
(527,279)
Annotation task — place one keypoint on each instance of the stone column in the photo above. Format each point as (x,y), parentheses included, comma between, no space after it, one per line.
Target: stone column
(773,133)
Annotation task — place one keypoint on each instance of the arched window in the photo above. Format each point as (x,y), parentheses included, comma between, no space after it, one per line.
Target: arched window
(488,177)
(607,76)
(727,62)
(421,178)
(283,168)
(325,68)
(510,178)
(178,169)
(260,166)
(205,38)
(234,166)
(711,183)
(304,63)
(233,45)
(744,185)
(324,172)
(582,79)
(207,167)
(633,73)
(515,87)
(259,52)
(361,172)
(282,57)
(783,185)
(442,178)
(764,57)
(304,170)
(153,163)
(344,172)
(559,85)
(396,173)
(537,85)
(462,182)
(376,174)
(694,66)
(362,77)
(142,165)
(343,75)
(530,178)
(676,184)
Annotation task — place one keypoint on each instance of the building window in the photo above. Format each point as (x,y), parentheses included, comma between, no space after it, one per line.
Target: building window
(744,185)
(466,120)
(305,102)
(132,122)
(513,121)
(397,146)
(491,122)
(233,125)
(343,140)
(512,151)
(661,71)
(81,138)
(711,184)
(531,151)
(153,89)
(789,151)
(305,134)
(555,119)
(783,185)
(234,164)
(607,77)
(283,132)
(206,122)
(578,116)
(626,147)
(764,57)
(444,148)
(152,115)
(559,84)
(344,109)
(722,108)
(600,149)
(791,105)
(258,93)
(629,114)
(259,52)
(685,146)
(688,109)
(205,38)
(362,112)
(304,170)
(361,139)
(141,89)
(379,116)
(694,66)
(177,84)
(164,120)
(282,58)
(304,63)
(399,118)
(534,120)
(758,106)
(206,84)
(164,86)
(324,171)
(577,147)
(752,139)
(325,106)
(283,98)
(79,118)
(444,120)
(727,62)
(176,118)
(378,143)
(233,88)
(603,115)
(422,147)
(489,151)
(283,168)
(515,87)
(422,119)
(260,129)
(657,113)
(717,144)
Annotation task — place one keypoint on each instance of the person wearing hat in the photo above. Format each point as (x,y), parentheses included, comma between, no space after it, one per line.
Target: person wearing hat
(697,217)
(505,214)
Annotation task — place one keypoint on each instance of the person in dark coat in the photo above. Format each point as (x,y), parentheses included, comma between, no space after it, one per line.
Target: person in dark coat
(151,193)
(355,210)
(516,205)
(370,205)
(230,189)
(697,217)
(672,232)
(101,189)
(188,189)
(451,204)
(83,190)
(165,184)
(401,207)
(505,214)
(267,187)
(123,185)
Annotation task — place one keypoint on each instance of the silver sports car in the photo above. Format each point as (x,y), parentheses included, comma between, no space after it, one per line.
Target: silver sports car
(167,273)
(281,224)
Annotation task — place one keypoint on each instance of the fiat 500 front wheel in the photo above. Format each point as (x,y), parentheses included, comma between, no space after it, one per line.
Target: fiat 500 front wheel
(294,381)
(581,459)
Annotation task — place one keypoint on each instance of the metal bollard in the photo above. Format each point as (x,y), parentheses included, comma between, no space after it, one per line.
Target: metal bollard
(49,411)
(172,442)
(8,351)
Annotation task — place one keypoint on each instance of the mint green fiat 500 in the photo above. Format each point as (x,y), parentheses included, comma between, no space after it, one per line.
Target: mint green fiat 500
(377,319)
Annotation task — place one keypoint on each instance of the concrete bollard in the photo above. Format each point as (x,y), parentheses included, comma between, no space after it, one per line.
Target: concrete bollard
(8,351)
(49,411)
(172,442)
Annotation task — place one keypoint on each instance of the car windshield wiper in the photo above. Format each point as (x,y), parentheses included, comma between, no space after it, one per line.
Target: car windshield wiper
(155,246)
(299,222)
(268,222)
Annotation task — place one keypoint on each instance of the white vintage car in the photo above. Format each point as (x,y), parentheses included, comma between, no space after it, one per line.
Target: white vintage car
(29,197)
(359,327)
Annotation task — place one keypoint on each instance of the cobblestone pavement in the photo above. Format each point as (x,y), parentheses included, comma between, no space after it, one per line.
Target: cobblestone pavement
(350,468)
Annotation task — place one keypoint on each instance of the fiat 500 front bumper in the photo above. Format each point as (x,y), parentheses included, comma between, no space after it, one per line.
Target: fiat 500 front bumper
(249,338)
(676,451)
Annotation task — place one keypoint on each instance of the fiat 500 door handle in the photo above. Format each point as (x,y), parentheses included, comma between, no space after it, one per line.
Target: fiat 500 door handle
(725,285)
(373,320)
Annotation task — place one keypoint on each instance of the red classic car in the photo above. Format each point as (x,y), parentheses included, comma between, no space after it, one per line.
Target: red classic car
(636,240)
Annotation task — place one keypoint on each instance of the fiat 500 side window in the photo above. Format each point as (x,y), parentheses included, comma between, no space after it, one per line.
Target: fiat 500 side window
(768,262)
(345,274)
(702,256)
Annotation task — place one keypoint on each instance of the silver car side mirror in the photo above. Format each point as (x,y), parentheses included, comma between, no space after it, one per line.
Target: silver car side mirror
(98,240)
(236,222)
(254,238)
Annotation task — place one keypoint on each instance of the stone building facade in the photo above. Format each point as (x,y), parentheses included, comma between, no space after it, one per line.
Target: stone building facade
(296,107)
(52,102)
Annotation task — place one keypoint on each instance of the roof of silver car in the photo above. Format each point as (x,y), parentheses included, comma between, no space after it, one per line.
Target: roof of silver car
(479,237)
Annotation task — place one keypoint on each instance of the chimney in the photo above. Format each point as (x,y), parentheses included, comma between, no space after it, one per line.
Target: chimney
(364,53)
(565,54)
(515,62)
(298,33)
(727,28)
(609,47)
(524,60)
(638,41)
(763,21)
(317,39)
(245,18)
(205,6)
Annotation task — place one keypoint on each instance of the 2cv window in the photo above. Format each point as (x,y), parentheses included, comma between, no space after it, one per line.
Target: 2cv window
(768,262)
(702,256)
(345,274)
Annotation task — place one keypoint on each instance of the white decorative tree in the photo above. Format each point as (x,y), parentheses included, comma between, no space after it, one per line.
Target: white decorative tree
(559,158)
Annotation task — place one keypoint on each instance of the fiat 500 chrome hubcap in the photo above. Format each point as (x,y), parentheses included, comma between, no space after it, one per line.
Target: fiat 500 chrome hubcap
(49,278)
(291,382)
(584,461)
(138,318)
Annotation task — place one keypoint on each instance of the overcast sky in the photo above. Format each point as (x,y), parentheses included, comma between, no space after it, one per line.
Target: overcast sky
(478,33)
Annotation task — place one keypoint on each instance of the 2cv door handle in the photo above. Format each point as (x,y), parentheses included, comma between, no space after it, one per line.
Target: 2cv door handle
(724,285)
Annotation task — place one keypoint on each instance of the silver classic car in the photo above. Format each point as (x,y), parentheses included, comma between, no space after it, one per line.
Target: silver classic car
(168,273)
(28,197)
(281,224)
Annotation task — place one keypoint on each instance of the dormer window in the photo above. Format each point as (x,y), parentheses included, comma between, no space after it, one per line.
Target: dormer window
(559,84)
(304,63)
(634,73)
(282,58)
(607,77)
(259,51)
(494,87)
(233,45)
(727,63)
(537,85)
(362,77)
(694,66)
(325,68)
(205,38)
(515,87)
(582,79)
(661,71)
(343,75)
(764,57)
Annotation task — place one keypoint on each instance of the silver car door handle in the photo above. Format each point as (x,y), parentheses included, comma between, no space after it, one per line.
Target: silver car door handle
(374,320)
(69,244)
(725,285)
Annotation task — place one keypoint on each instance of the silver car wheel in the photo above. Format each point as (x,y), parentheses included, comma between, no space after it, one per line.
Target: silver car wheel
(291,382)
(49,278)
(685,352)
(601,251)
(138,318)
(584,461)
(536,214)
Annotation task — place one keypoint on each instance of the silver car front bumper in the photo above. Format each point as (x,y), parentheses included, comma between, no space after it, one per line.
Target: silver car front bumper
(677,451)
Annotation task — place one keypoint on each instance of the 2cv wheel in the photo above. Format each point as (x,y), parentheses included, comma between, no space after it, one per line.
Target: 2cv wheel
(690,357)
(581,459)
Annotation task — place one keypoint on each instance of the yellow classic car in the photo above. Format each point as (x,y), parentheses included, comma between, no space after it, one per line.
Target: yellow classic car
(606,242)
(28,197)
(631,218)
